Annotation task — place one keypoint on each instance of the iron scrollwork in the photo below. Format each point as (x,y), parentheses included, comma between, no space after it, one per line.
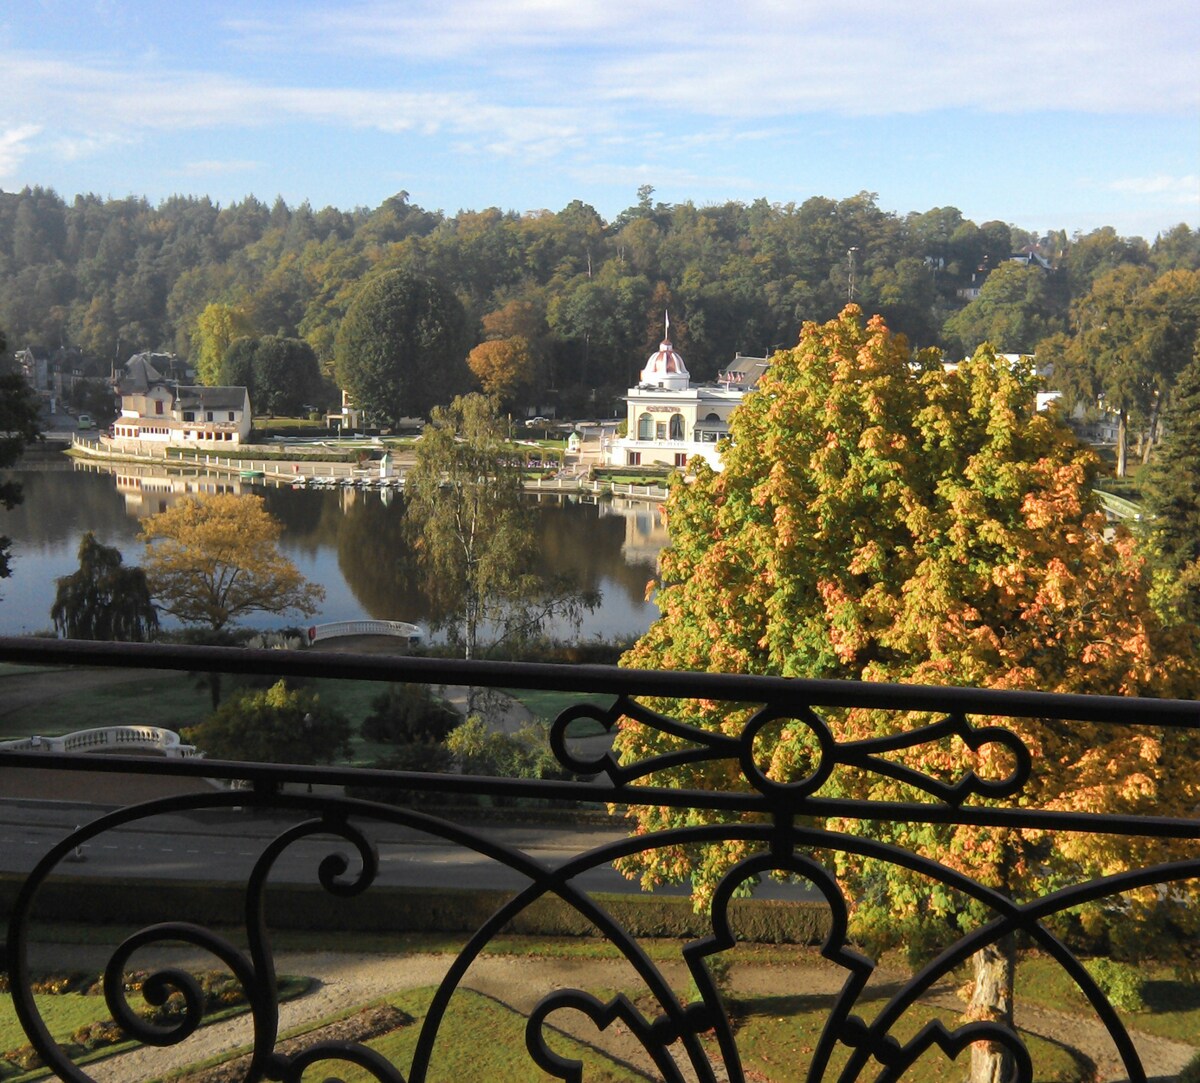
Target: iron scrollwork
(777,822)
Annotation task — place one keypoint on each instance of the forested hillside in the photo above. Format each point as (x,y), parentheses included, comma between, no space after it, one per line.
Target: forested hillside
(569,300)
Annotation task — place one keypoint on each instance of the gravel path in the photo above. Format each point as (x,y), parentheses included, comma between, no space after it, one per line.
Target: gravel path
(343,980)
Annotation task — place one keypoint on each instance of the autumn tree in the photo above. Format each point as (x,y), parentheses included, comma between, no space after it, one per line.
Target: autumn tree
(105,599)
(401,348)
(474,536)
(213,559)
(502,366)
(878,520)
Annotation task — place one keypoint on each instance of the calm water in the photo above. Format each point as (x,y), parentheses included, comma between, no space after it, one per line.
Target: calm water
(351,543)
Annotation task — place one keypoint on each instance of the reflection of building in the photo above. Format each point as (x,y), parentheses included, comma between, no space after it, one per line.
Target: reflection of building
(157,409)
(645,528)
(149,494)
(669,420)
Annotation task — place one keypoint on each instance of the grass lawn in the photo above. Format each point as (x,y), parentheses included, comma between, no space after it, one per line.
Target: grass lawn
(65,1013)
(1172,1006)
(480,1038)
(171,700)
(546,706)
(777,1036)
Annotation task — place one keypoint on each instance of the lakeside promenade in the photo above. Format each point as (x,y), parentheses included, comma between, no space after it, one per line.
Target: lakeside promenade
(301,471)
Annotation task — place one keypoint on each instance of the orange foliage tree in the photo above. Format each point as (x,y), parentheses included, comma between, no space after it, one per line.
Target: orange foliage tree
(881,519)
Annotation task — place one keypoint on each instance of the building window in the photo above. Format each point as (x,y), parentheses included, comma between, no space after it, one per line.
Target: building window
(189,415)
(645,427)
(231,416)
(158,406)
(660,431)
(681,458)
(712,417)
(208,416)
(677,428)
(635,458)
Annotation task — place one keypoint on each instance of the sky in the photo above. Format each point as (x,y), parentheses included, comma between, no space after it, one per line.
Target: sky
(1047,114)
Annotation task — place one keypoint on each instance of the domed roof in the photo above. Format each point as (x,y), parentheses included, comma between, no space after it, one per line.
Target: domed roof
(666,367)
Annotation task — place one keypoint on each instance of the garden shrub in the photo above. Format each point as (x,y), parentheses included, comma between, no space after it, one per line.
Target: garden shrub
(1121,983)
(1191,1071)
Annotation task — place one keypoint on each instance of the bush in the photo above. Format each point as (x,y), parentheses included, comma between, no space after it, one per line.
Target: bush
(1120,982)
(99,1034)
(1191,1072)
(408,713)
(25,1057)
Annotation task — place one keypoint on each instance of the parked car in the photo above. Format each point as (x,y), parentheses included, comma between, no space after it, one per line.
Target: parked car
(84,421)
(539,420)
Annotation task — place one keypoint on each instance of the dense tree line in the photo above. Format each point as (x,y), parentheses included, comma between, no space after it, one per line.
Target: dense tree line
(566,295)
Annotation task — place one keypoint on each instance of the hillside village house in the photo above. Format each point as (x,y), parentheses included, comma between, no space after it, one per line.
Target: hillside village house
(159,411)
(669,420)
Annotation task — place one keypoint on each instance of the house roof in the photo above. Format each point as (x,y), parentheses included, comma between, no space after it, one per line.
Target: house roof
(212,398)
(744,372)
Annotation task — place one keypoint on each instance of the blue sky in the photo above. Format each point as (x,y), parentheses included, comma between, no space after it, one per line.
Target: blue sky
(1044,113)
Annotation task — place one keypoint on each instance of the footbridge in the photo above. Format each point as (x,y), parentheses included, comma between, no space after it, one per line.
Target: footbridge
(108,739)
(336,629)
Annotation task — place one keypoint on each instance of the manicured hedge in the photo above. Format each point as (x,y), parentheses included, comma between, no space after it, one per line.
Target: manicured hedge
(386,909)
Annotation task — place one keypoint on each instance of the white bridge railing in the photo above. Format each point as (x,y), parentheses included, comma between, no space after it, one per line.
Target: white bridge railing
(153,738)
(334,629)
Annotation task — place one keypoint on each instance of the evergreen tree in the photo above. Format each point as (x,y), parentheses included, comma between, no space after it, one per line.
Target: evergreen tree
(1173,497)
(18,429)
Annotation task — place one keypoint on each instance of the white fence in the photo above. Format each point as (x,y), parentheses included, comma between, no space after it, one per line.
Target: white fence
(152,738)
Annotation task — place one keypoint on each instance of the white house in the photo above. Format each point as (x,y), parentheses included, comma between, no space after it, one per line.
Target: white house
(669,420)
(158,410)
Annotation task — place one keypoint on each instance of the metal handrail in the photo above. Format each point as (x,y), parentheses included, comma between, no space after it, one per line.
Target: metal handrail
(779,825)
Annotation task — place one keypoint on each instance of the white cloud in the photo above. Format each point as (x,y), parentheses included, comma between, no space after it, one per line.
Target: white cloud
(774,57)
(14,146)
(1184,189)
(110,104)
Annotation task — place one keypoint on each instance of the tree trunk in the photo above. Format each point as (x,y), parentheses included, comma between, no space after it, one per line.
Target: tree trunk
(1122,442)
(1151,431)
(992,1001)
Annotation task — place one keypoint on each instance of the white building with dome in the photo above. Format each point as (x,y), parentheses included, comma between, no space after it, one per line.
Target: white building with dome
(669,420)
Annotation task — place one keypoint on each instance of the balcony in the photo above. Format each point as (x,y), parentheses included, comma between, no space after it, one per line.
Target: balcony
(295,822)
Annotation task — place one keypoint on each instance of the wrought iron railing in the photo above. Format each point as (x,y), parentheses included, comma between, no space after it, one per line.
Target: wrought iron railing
(783,826)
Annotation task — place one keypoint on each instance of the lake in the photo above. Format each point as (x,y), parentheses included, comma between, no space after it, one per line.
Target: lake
(351,542)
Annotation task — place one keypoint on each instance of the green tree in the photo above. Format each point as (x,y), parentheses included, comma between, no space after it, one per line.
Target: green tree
(216,328)
(1013,312)
(409,714)
(473,534)
(281,374)
(401,348)
(1172,490)
(1132,334)
(274,725)
(106,599)
(212,559)
(18,429)
(881,521)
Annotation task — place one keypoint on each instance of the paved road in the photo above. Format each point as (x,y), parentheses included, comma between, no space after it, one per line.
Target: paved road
(223,845)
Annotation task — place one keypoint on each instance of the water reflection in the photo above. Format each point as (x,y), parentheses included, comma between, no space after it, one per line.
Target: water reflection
(351,542)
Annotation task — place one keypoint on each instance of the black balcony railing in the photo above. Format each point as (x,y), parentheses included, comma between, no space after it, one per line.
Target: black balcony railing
(783,827)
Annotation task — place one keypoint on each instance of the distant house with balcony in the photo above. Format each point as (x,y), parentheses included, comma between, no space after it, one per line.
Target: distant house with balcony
(669,420)
(157,410)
